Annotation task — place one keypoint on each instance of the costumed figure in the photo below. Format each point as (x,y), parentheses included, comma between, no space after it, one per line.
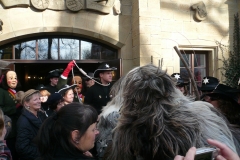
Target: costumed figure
(158,122)
(8,103)
(208,85)
(80,88)
(76,80)
(181,84)
(67,93)
(53,77)
(98,95)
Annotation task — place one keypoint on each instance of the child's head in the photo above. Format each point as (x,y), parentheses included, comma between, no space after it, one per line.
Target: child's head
(18,95)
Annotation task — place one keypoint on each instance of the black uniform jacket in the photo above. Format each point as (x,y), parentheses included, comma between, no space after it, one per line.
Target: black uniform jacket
(98,96)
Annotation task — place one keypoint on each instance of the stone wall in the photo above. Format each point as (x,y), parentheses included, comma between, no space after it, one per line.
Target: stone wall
(22,20)
(179,28)
(144,28)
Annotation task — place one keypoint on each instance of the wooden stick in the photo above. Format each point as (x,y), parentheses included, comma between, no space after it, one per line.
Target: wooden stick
(189,72)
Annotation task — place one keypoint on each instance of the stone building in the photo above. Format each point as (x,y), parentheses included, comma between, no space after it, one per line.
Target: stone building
(127,33)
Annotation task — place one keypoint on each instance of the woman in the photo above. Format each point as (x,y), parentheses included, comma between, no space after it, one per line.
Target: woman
(69,134)
(67,93)
(28,125)
(55,102)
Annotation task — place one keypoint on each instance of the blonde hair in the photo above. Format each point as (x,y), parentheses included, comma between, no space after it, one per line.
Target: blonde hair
(1,122)
(44,93)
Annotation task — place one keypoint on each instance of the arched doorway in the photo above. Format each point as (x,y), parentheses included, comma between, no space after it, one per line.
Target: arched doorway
(34,58)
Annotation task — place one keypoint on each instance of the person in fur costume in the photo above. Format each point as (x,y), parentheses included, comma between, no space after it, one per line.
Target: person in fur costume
(157,122)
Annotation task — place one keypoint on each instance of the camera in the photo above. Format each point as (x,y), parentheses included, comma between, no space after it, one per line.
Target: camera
(206,153)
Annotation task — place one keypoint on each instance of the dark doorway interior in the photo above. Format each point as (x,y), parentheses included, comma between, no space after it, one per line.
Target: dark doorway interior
(32,74)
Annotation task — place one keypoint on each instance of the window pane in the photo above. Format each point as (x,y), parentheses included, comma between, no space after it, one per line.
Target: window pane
(199,74)
(86,50)
(51,48)
(184,74)
(200,60)
(42,49)
(26,50)
(69,49)
(187,58)
(6,53)
(95,51)
(54,49)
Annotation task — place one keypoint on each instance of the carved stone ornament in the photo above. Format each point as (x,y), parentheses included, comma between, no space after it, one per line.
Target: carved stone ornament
(201,11)
(103,6)
(74,5)
(40,4)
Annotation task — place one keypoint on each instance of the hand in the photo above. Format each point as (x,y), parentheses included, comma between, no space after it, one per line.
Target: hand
(225,152)
(189,155)
(68,69)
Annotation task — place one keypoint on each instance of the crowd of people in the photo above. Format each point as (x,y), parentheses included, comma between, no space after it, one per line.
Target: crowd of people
(145,115)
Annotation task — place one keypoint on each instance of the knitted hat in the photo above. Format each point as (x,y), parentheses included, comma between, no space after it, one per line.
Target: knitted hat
(27,94)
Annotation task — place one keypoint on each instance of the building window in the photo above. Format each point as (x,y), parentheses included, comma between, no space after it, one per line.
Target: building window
(56,48)
(197,62)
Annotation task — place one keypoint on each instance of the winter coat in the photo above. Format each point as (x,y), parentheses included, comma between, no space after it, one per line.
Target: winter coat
(98,96)
(60,154)
(8,105)
(27,128)
(51,89)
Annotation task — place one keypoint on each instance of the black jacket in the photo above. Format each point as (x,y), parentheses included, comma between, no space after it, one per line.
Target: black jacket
(27,128)
(60,154)
(51,89)
(98,96)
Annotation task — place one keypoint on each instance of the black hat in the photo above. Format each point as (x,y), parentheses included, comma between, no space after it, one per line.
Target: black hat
(221,90)
(41,87)
(103,67)
(53,98)
(66,87)
(90,74)
(180,81)
(209,83)
(55,73)
(235,90)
